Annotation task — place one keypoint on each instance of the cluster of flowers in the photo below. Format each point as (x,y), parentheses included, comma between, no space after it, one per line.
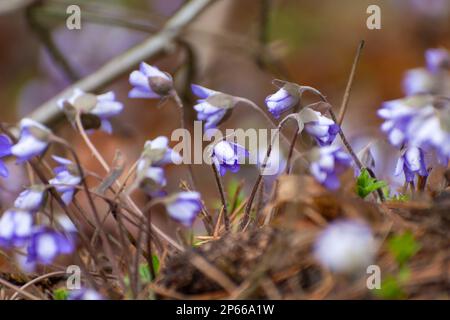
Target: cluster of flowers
(419,123)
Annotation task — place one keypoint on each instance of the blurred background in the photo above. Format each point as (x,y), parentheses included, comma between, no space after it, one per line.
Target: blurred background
(234,46)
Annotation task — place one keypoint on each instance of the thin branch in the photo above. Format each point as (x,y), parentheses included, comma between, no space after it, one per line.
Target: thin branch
(344,104)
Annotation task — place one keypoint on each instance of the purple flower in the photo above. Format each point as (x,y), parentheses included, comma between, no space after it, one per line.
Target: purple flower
(30,199)
(5,150)
(15,227)
(437,59)
(418,81)
(66,179)
(151,179)
(212,106)
(411,162)
(149,82)
(159,153)
(34,139)
(328,163)
(84,294)
(346,246)
(281,101)
(100,107)
(184,207)
(324,130)
(45,245)
(227,156)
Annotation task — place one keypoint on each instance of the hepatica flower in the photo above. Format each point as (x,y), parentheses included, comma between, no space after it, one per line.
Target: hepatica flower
(66,179)
(411,162)
(45,245)
(84,294)
(34,139)
(5,150)
(184,206)
(149,82)
(228,156)
(324,130)
(327,164)
(30,199)
(15,227)
(159,153)
(418,81)
(437,59)
(151,179)
(94,110)
(345,246)
(213,107)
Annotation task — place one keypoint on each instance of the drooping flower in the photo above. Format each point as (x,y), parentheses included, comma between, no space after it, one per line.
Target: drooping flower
(437,59)
(151,179)
(84,294)
(281,101)
(46,245)
(159,153)
(184,206)
(228,156)
(66,179)
(324,130)
(345,246)
(411,162)
(419,81)
(327,164)
(5,150)
(213,107)
(149,82)
(30,199)
(95,110)
(34,139)
(15,227)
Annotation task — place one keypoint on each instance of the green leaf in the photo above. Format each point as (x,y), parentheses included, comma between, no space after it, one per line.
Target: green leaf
(365,184)
(403,247)
(390,289)
(60,294)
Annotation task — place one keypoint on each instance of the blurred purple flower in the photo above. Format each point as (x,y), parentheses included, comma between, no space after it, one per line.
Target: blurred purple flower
(212,114)
(418,81)
(184,207)
(346,246)
(328,163)
(149,82)
(84,294)
(5,150)
(46,245)
(151,179)
(15,227)
(281,101)
(160,152)
(31,198)
(227,156)
(411,162)
(437,59)
(33,140)
(324,130)
(66,179)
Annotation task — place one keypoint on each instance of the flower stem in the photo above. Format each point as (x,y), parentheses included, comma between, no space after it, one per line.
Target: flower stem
(223,197)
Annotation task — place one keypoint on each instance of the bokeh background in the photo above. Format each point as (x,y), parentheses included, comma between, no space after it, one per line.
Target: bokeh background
(234,46)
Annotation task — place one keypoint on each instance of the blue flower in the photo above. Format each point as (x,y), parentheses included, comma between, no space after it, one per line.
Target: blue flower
(418,81)
(411,162)
(102,107)
(346,246)
(227,156)
(5,150)
(33,141)
(324,130)
(184,207)
(84,294)
(437,59)
(159,153)
(212,106)
(281,101)
(151,179)
(66,179)
(30,199)
(328,163)
(46,245)
(15,227)
(149,82)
